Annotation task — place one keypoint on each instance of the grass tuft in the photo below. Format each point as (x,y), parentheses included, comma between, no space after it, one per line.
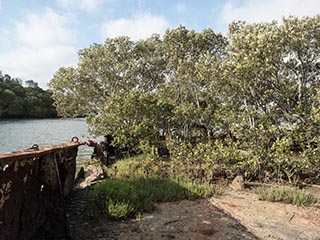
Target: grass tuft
(286,195)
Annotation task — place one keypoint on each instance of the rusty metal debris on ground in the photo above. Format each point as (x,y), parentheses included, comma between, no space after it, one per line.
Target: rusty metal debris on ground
(33,184)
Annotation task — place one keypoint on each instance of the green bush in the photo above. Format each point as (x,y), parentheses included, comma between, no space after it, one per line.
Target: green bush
(204,162)
(128,168)
(286,195)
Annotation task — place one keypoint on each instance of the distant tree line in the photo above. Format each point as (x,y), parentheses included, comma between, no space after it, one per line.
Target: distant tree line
(17,101)
(248,103)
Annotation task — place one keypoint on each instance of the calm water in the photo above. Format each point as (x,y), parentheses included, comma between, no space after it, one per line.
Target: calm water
(18,134)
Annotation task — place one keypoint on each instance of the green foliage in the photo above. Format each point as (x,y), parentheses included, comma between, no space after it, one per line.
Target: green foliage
(141,166)
(206,162)
(245,104)
(286,195)
(136,185)
(135,167)
(130,90)
(273,72)
(17,101)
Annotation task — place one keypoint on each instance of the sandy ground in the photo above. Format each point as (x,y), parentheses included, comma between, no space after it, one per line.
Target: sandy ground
(268,220)
(233,215)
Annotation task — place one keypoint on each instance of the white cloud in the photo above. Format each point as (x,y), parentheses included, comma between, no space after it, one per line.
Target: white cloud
(38,64)
(42,44)
(44,29)
(266,11)
(139,27)
(86,5)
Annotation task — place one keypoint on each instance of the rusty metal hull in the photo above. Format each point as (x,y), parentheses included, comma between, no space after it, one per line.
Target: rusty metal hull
(33,184)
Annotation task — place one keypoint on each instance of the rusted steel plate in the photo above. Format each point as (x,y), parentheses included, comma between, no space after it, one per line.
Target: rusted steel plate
(20,208)
(33,183)
(53,195)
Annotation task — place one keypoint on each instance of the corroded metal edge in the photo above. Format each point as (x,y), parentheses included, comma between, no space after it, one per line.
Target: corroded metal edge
(37,152)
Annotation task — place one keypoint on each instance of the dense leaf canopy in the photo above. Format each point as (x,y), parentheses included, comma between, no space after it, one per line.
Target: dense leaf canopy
(252,97)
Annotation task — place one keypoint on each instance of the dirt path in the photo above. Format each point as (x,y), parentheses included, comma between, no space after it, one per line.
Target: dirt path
(234,215)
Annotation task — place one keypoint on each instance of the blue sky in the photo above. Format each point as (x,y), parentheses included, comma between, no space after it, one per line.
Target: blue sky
(37,37)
